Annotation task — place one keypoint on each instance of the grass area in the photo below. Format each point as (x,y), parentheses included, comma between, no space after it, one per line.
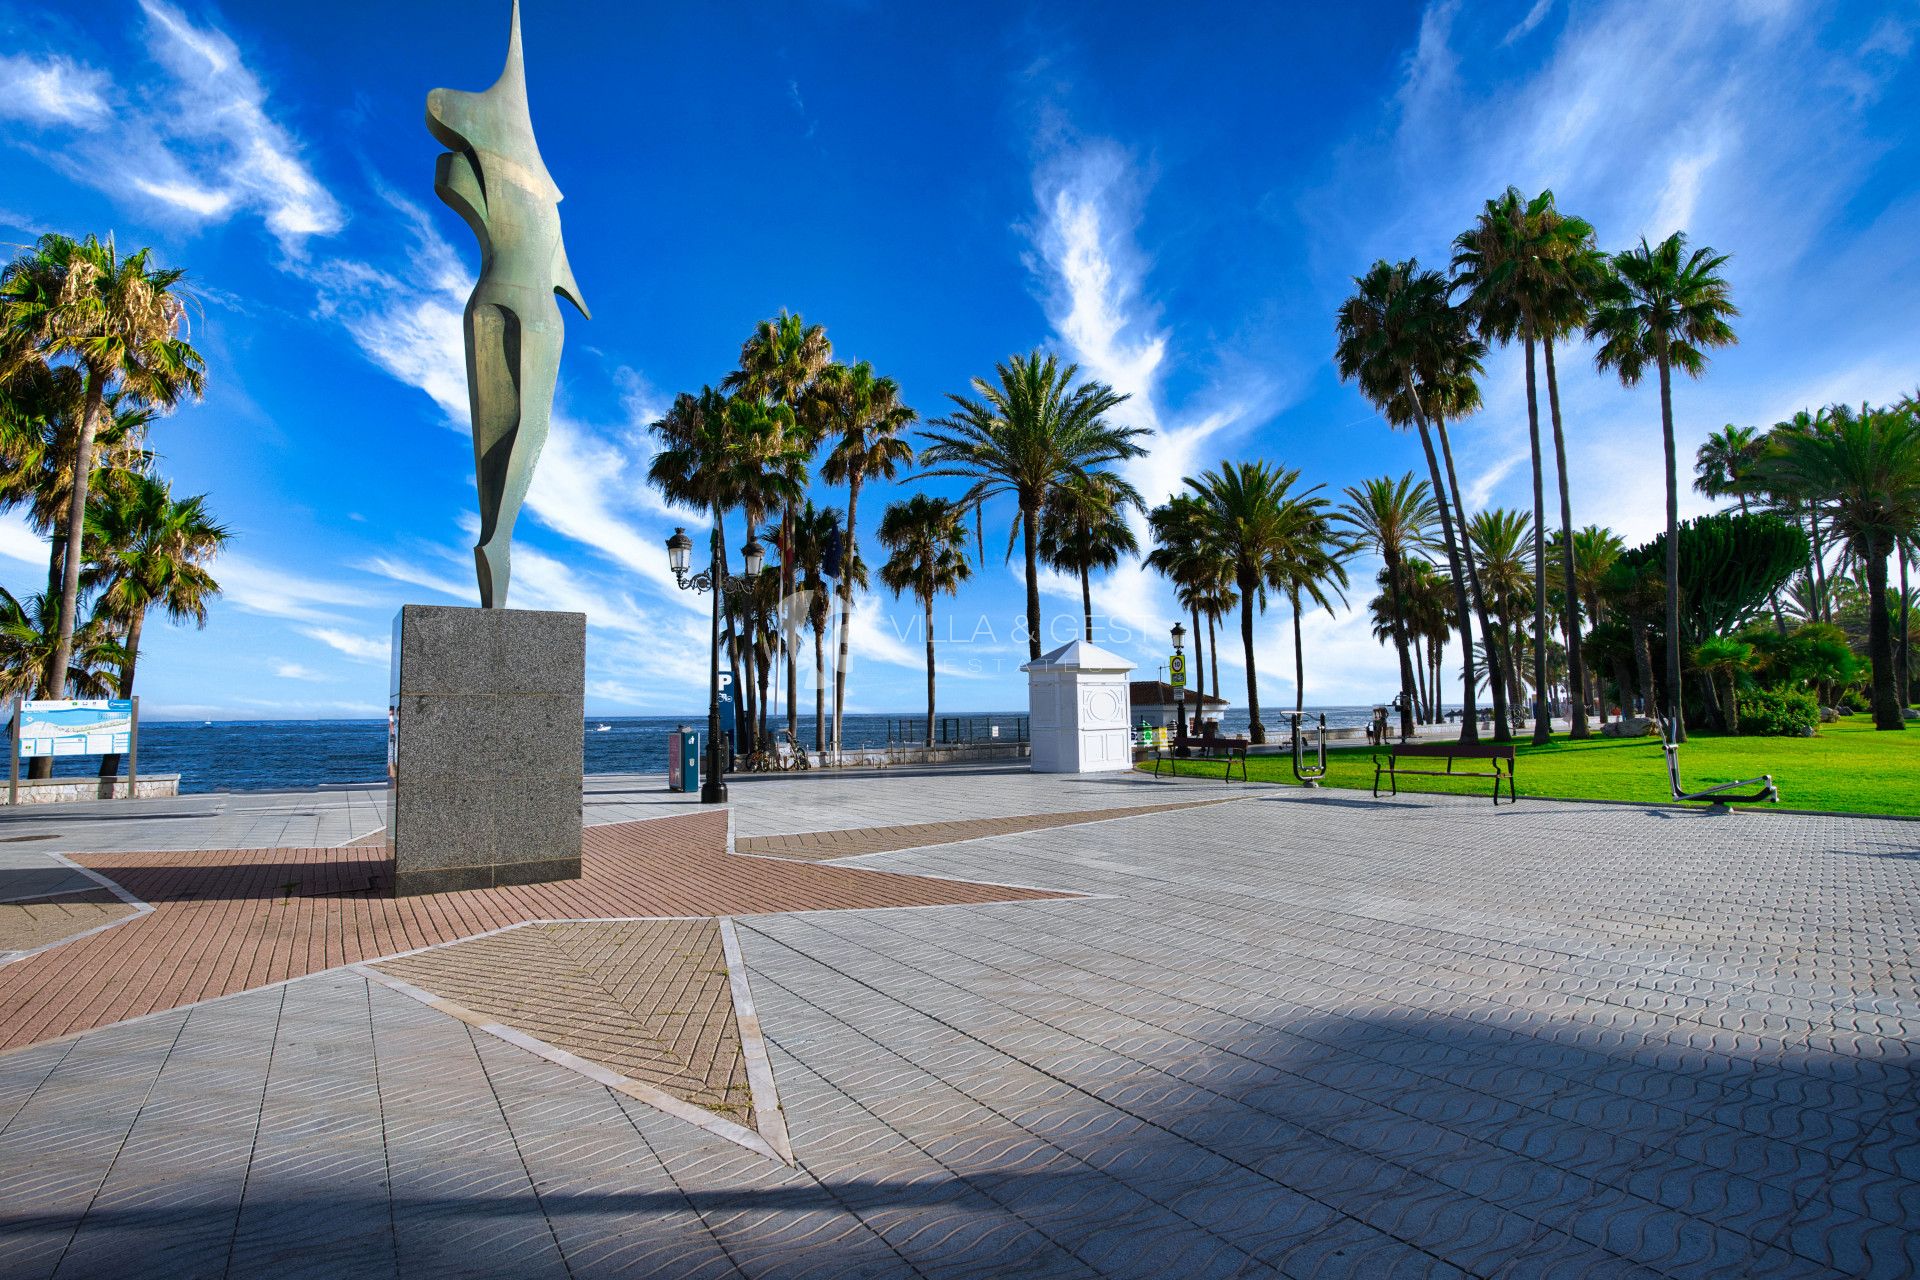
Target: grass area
(1848,768)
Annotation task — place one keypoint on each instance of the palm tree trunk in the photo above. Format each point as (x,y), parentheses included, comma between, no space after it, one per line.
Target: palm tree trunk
(1496,660)
(1418,674)
(1570,602)
(1299,659)
(1542,726)
(928,597)
(1255,730)
(1086,599)
(1821,613)
(1904,641)
(1199,657)
(1674,694)
(1733,701)
(847,556)
(1469,711)
(1886,702)
(76,535)
(819,686)
(1409,699)
(1030,533)
(1213,649)
(787,631)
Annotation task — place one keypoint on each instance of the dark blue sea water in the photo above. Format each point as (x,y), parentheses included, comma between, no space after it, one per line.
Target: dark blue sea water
(265,755)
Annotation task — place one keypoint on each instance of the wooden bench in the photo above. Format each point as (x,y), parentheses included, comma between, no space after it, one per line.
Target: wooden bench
(1208,746)
(1448,751)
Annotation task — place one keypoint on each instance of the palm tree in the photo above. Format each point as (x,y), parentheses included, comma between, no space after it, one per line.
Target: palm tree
(1728,657)
(1664,307)
(1084,527)
(1183,554)
(864,416)
(1529,271)
(778,363)
(151,550)
(41,409)
(1727,465)
(1394,518)
(1430,612)
(1315,568)
(1792,505)
(1399,339)
(120,322)
(1498,540)
(30,632)
(1866,473)
(1593,551)
(928,541)
(1028,433)
(1253,516)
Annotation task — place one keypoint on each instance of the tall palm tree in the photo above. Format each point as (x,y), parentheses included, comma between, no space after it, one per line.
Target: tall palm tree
(1033,429)
(1793,506)
(778,363)
(1401,342)
(1430,610)
(1084,527)
(1499,541)
(1866,473)
(1593,551)
(864,416)
(120,321)
(1528,271)
(1315,567)
(1394,518)
(1259,523)
(1185,555)
(1664,307)
(702,464)
(150,551)
(927,539)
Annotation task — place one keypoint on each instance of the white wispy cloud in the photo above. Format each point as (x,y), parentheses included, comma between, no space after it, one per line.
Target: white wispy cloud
(359,647)
(53,90)
(258,588)
(294,671)
(18,541)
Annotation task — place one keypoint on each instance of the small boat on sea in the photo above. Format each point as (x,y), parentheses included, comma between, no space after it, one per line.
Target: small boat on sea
(603,728)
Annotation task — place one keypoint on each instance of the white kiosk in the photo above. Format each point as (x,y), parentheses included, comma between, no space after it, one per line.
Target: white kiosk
(1077,708)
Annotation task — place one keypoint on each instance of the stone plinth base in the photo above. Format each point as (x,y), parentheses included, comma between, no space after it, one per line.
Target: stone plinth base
(486,736)
(66,790)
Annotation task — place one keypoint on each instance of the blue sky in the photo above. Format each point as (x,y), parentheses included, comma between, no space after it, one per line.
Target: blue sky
(1174,196)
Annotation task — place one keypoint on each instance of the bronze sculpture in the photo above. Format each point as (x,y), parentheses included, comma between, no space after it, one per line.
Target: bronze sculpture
(492,175)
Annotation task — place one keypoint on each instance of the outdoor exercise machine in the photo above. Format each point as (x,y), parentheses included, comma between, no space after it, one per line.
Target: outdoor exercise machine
(1717,798)
(1309,775)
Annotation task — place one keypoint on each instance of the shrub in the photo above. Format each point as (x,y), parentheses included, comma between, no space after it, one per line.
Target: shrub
(1856,701)
(1778,713)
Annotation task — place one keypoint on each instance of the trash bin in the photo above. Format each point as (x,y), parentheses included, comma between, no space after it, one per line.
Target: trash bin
(683,759)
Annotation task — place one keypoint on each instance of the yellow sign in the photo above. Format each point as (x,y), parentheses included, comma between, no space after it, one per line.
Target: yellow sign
(1177,669)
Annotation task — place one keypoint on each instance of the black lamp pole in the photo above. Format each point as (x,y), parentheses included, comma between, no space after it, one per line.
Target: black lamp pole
(1180,694)
(713,787)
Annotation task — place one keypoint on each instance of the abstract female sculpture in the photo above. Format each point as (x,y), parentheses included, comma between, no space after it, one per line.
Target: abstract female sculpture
(492,175)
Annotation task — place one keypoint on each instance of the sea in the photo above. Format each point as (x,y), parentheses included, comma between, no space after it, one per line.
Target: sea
(279,755)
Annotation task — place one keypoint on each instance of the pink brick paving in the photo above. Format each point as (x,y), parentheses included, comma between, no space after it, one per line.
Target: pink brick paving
(234,919)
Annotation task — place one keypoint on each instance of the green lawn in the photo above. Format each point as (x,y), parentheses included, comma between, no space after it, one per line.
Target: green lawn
(1847,769)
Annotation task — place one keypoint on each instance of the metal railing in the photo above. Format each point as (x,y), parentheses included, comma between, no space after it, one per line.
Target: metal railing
(953,731)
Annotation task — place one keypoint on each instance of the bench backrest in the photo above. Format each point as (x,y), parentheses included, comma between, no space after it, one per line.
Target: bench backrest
(1458,750)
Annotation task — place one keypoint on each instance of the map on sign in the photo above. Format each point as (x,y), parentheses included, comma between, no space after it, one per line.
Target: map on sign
(75,727)
(1177,670)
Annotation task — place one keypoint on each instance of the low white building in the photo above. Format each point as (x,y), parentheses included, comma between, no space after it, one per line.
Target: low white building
(1077,710)
(1155,701)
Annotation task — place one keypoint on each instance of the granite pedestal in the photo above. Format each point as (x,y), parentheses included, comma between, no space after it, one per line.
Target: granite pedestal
(486,743)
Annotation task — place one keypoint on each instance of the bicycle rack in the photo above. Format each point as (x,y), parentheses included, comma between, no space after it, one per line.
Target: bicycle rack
(1309,775)
(1716,797)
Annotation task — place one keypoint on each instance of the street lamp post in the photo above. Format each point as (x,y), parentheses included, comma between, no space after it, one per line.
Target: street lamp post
(1180,694)
(713,787)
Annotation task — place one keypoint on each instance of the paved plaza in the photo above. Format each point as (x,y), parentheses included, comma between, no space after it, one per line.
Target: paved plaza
(968,1022)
